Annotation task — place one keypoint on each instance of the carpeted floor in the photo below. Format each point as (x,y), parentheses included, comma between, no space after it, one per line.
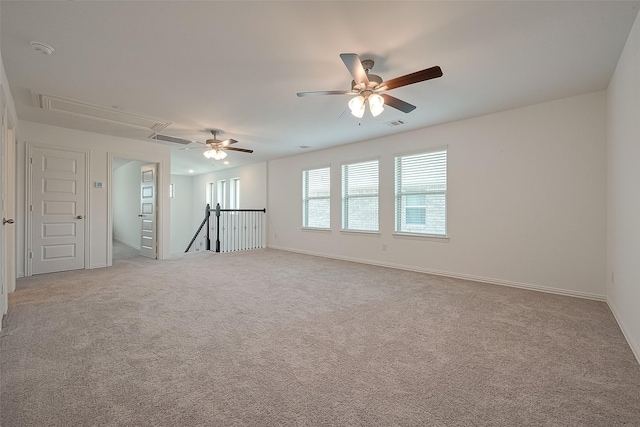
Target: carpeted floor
(270,338)
(123,253)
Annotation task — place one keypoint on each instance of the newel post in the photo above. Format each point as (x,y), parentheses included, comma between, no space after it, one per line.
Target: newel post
(218,227)
(206,215)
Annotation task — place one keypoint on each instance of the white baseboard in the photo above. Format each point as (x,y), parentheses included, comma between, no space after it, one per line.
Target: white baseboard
(97,266)
(131,245)
(635,348)
(489,280)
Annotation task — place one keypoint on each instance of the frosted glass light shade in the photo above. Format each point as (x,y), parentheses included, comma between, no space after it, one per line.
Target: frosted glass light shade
(376,104)
(356,105)
(215,154)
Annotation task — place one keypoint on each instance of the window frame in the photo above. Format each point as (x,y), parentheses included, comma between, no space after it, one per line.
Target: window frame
(221,192)
(306,198)
(398,195)
(344,222)
(234,193)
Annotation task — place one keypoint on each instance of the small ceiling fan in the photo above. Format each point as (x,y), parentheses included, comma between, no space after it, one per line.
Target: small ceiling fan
(214,147)
(367,87)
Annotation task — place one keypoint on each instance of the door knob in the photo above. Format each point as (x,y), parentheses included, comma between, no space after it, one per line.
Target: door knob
(79,217)
(140,215)
(6,221)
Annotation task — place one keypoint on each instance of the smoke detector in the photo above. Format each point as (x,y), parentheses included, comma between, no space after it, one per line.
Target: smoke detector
(44,49)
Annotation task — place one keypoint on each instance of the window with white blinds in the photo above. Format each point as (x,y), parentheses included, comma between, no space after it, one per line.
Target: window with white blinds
(221,193)
(234,196)
(421,193)
(360,196)
(316,192)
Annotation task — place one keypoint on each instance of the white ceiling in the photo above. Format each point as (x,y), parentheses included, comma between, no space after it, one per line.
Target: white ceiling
(236,66)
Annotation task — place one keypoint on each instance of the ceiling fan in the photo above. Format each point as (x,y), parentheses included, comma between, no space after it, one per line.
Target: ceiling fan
(367,87)
(214,147)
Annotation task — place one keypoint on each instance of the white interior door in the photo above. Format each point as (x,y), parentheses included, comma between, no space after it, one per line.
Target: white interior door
(148,197)
(6,222)
(57,210)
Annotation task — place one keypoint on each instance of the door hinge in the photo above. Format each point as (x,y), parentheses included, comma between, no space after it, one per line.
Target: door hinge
(30,254)
(31,160)
(30,208)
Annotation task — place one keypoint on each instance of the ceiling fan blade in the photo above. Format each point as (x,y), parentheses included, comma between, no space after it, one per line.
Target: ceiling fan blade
(227,142)
(354,65)
(409,79)
(244,150)
(324,92)
(398,104)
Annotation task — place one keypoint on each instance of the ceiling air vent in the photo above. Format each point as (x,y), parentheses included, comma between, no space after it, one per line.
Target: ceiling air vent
(168,138)
(54,103)
(395,123)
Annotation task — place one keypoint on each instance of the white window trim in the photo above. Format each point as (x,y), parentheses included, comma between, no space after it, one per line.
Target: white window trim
(352,162)
(234,193)
(421,236)
(362,233)
(316,229)
(415,236)
(302,171)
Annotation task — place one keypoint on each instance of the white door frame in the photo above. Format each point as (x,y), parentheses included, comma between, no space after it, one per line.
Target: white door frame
(4,195)
(10,199)
(28,248)
(160,200)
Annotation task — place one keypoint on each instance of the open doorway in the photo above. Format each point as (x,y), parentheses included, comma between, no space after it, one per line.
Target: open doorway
(128,226)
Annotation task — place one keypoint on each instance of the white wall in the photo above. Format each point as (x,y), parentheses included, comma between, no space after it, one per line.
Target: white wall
(100,148)
(127,227)
(623,173)
(4,86)
(526,199)
(182,227)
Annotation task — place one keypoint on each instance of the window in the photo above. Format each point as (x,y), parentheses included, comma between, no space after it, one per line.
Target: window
(171,191)
(221,193)
(234,196)
(209,195)
(360,196)
(421,193)
(316,191)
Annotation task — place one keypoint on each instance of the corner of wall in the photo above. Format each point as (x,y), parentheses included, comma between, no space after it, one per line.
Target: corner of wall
(635,347)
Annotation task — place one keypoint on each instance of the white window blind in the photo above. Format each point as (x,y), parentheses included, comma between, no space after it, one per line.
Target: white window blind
(316,192)
(234,197)
(360,196)
(221,193)
(421,193)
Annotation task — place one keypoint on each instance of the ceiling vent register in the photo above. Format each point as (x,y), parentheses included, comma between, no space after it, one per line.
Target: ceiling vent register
(394,123)
(168,138)
(54,103)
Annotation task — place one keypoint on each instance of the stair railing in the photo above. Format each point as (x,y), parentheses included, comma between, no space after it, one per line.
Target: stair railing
(234,230)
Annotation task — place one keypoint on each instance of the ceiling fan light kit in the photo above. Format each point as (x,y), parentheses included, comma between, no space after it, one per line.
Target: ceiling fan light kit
(367,88)
(356,105)
(215,149)
(376,104)
(215,154)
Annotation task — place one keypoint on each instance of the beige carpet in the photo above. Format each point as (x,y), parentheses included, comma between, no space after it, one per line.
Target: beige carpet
(122,252)
(270,338)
